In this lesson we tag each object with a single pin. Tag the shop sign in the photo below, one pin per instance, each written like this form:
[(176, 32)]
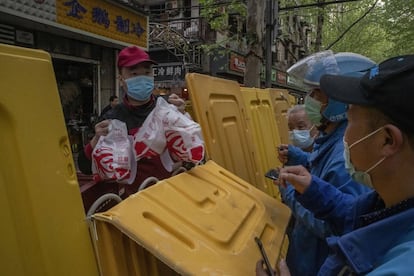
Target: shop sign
[(277, 77), (24, 37), (169, 72), (281, 77), (237, 63), (103, 18), (273, 75)]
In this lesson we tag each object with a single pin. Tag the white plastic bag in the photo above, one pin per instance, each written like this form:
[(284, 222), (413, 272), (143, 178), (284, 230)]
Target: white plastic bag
[(113, 157), (184, 139), (167, 128), (150, 140)]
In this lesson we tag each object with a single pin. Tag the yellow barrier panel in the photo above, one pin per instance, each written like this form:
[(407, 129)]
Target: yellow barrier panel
[(189, 108), (281, 103), (219, 109), (202, 222), (261, 120), (43, 230), (292, 99)]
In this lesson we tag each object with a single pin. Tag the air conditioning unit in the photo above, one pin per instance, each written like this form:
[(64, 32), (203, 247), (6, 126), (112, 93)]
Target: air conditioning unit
[(169, 5)]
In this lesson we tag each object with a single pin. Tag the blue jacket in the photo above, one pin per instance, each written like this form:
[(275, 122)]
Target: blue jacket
[(307, 246), (383, 247)]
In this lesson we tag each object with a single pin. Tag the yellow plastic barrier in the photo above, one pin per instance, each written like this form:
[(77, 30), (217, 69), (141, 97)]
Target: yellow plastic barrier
[(266, 137), (202, 222), (219, 109), (292, 99), (281, 101), (43, 230)]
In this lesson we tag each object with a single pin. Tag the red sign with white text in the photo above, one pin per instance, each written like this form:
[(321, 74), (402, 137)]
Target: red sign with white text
[(237, 63)]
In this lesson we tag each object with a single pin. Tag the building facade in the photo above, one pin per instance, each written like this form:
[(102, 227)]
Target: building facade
[(83, 38), (177, 32)]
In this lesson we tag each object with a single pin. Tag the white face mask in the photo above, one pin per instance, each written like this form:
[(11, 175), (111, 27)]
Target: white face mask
[(301, 138), (359, 176)]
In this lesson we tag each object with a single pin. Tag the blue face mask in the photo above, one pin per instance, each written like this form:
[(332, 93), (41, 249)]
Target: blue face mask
[(140, 87)]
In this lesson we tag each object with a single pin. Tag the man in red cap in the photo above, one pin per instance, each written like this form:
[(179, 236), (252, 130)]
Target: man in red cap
[(137, 82)]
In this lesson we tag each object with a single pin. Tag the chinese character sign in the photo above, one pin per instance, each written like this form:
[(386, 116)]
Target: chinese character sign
[(103, 18), (169, 72), (237, 63)]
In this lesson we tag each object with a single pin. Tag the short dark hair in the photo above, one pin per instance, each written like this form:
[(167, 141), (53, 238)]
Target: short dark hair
[(112, 98)]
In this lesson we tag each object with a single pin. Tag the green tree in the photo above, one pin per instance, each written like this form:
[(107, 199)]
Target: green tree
[(397, 20), (250, 15), (353, 27), (377, 29), (217, 14)]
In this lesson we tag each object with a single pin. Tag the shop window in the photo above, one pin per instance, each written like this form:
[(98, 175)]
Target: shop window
[(76, 89)]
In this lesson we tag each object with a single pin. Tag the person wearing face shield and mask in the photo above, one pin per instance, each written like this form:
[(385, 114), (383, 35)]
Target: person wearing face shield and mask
[(307, 246), (376, 228), (302, 132), (137, 82)]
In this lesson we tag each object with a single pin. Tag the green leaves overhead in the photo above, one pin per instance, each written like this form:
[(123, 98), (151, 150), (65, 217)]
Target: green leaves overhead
[(227, 18), (217, 13), (378, 29)]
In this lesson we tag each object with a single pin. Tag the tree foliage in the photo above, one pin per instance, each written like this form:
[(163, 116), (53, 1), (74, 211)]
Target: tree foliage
[(246, 37), (378, 29), (354, 27), (397, 20), (217, 14)]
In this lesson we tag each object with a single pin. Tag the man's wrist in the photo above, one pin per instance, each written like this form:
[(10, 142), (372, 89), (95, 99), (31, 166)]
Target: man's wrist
[(94, 141)]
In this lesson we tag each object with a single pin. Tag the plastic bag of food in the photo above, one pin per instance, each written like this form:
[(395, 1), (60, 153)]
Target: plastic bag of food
[(113, 157), (167, 128), (150, 140), (184, 139)]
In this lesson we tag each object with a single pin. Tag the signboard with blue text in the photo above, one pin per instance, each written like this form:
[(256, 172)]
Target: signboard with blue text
[(102, 18), (169, 72)]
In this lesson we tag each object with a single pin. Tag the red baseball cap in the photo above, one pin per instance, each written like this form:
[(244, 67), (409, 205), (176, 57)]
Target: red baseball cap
[(133, 55)]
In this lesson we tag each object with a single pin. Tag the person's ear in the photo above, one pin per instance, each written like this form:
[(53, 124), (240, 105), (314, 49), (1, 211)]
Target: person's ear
[(393, 140)]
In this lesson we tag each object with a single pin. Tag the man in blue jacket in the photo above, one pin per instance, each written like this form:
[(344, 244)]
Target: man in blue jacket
[(307, 245), (377, 228)]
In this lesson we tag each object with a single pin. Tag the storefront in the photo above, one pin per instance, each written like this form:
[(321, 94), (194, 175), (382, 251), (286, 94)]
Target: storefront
[(83, 38), (229, 66), (280, 79), (170, 78)]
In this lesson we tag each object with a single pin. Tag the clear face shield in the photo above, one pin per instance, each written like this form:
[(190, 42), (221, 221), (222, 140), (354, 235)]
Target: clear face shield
[(307, 72)]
